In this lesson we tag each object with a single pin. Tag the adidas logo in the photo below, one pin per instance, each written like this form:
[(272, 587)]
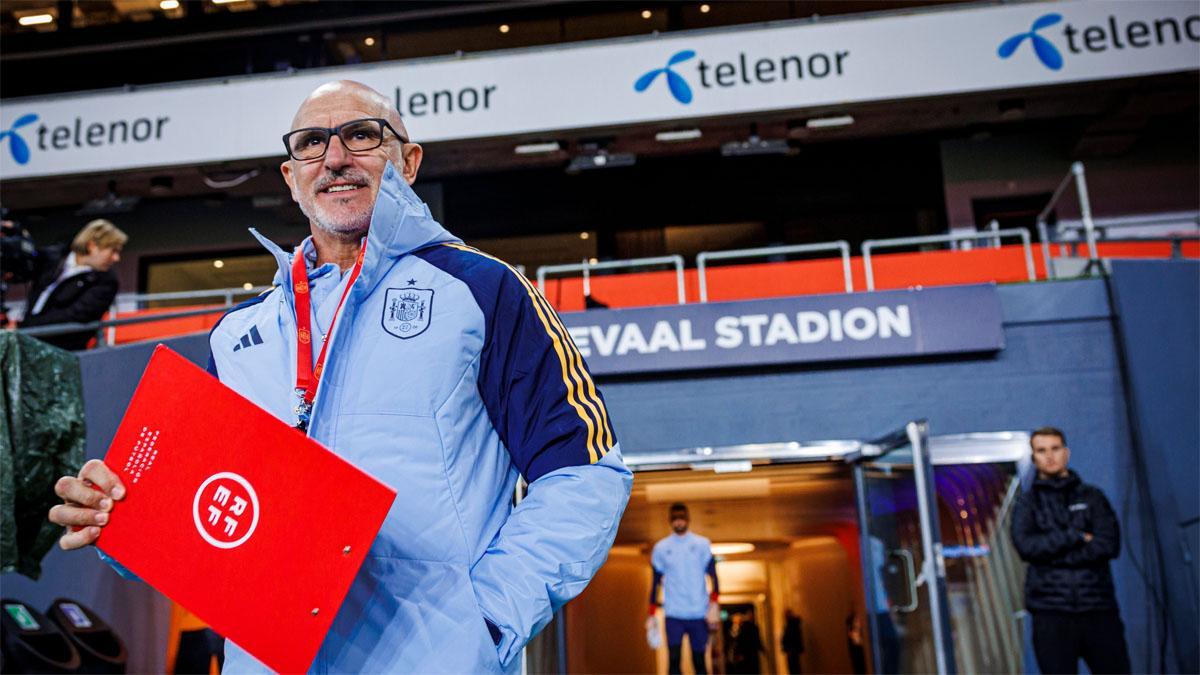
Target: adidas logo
[(249, 339)]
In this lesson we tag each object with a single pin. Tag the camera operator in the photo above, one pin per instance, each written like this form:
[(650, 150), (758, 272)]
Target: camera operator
[(76, 285)]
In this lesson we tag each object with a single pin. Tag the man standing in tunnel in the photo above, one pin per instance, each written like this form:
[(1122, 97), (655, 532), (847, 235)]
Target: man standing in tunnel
[(680, 562), (1067, 532)]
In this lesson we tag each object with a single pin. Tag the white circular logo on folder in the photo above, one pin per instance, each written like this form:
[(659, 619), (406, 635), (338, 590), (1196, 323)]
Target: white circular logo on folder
[(225, 510)]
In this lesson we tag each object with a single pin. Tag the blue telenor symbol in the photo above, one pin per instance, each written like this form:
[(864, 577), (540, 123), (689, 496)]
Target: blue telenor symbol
[(16, 144), (679, 86), (1045, 50)]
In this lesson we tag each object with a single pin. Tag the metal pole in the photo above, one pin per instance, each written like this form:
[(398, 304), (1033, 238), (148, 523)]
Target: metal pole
[(1044, 236), (870, 273), (679, 285), (845, 249), (933, 565), (994, 226), (1085, 210), (1028, 246), (702, 276)]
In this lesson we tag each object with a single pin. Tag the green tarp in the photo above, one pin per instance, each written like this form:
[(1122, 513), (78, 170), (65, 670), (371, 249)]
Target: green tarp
[(41, 438)]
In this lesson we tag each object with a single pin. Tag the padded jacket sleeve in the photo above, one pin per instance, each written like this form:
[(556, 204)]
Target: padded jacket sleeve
[(1106, 535), (1034, 544), (547, 411)]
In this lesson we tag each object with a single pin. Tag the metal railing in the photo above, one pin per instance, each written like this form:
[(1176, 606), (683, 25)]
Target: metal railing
[(124, 300), (589, 267), (99, 326), (872, 244), (1076, 175), (705, 256)]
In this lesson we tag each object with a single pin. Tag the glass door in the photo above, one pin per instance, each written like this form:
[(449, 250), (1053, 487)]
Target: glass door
[(904, 571)]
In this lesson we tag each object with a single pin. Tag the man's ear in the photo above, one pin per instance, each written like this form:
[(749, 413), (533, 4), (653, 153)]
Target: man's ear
[(412, 155), (286, 169)]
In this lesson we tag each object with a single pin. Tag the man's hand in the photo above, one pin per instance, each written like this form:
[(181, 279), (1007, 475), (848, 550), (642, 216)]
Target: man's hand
[(1087, 537), (87, 502)]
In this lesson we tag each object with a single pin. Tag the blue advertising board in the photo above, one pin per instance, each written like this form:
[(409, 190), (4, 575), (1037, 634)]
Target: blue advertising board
[(802, 329)]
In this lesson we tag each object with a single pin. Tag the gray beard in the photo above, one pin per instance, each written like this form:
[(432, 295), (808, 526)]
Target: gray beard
[(342, 230)]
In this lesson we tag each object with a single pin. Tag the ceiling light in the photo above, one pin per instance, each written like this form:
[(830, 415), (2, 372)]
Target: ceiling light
[(248, 286), (584, 235), (826, 122), (225, 2), (218, 264), (370, 42), (732, 548), (755, 146), (601, 160), (537, 148), (35, 19), (646, 14), (676, 136), (593, 261), (168, 5), (704, 9), (504, 28)]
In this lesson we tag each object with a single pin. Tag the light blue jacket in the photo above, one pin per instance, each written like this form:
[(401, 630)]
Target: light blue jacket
[(447, 376)]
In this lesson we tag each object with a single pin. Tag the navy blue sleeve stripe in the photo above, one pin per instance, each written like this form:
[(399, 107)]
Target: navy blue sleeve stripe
[(581, 390), (607, 438), (572, 363)]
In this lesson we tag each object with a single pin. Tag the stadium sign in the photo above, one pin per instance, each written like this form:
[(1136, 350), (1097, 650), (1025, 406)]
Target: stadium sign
[(796, 330), (697, 74)]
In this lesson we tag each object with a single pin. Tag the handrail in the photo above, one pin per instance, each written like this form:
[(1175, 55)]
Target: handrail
[(1176, 242), (60, 328), (871, 244), (1103, 225), (704, 256), (226, 293), (676, 260), (1085, 214)]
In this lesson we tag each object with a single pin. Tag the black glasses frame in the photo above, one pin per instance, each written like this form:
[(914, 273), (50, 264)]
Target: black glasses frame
[(331, 132)]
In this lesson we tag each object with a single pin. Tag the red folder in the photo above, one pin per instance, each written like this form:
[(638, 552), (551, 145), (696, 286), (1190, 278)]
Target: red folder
[(249, 524)]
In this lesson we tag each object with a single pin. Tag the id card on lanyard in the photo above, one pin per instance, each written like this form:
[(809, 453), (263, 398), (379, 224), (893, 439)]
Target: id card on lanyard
[(308, 375)]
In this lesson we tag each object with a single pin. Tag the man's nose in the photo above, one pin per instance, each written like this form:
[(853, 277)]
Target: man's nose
[(336, 155)]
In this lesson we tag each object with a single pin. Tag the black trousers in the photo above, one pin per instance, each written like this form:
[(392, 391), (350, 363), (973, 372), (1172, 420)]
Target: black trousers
[(1060, 639)]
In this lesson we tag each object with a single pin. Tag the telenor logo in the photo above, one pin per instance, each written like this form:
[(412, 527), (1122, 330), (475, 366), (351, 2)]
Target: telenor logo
[(225, 510), (1046, 52), (675, 82), (17, 145)]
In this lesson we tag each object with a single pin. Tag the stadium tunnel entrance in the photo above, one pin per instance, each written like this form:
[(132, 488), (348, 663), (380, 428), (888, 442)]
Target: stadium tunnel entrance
[(786, 522)]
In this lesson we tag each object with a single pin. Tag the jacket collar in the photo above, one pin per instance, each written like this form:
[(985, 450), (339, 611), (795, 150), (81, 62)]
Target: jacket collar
[(400, 224), (1061, 483)]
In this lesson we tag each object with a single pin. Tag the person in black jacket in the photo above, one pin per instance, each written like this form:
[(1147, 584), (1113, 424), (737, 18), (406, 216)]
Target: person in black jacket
[(76, 286), (1067, 532)]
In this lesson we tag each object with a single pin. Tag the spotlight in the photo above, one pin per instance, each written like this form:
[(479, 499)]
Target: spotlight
[(646, 14), (218, 264), (704, 9), (168, 5), (370, 42), (601, 159), (504, 28), (756, 146)]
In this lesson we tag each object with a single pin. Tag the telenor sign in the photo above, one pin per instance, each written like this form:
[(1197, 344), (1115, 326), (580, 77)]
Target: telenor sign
[(790, 330)]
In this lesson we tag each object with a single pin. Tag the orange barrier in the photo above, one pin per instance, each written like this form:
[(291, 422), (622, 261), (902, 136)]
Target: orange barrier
[(151, 330)]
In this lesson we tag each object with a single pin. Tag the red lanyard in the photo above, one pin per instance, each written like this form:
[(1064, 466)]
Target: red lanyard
[(308, 376)]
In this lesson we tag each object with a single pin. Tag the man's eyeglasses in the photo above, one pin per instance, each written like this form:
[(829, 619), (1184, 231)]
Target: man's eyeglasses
[(357, 135)]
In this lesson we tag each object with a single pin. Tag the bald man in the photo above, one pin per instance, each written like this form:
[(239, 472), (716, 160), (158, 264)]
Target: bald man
[(447, 376)]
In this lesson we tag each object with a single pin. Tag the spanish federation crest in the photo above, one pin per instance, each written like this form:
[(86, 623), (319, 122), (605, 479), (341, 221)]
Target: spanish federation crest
[(406, 311)]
